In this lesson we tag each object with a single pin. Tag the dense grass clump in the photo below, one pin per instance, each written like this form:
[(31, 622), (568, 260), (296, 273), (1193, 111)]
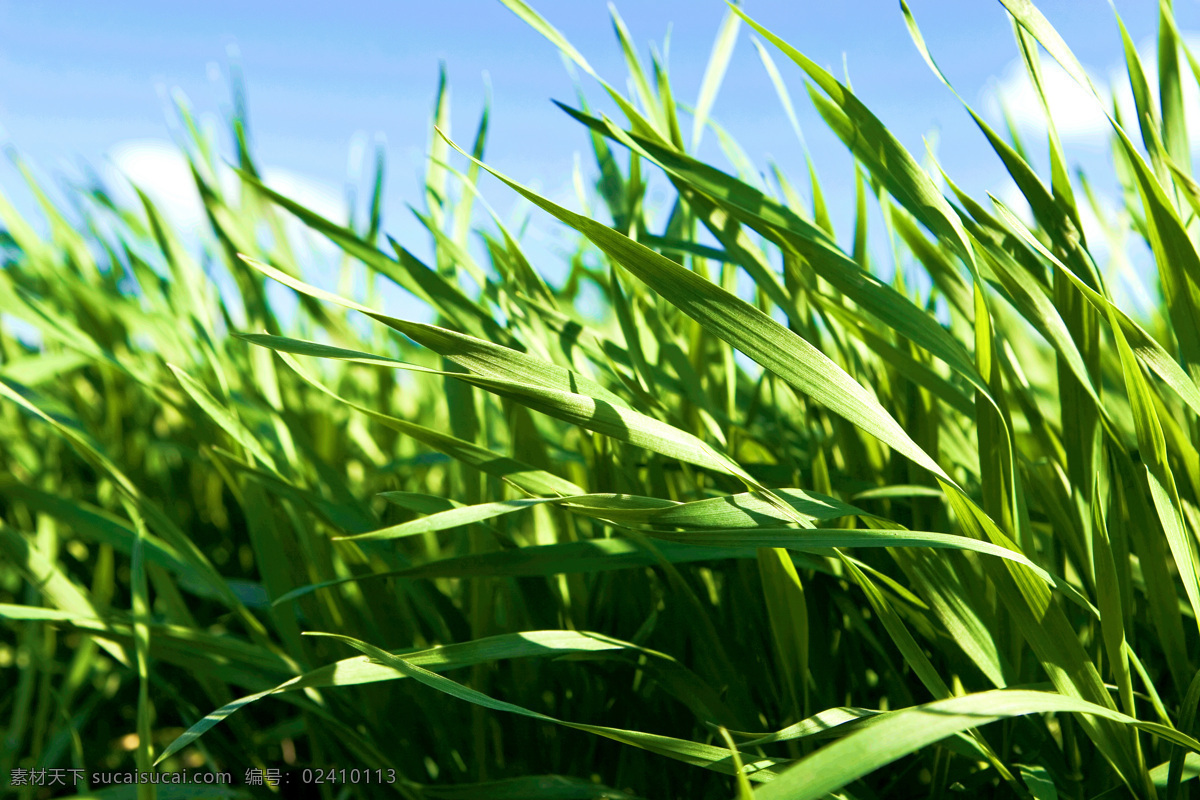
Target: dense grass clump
[(928, 538)]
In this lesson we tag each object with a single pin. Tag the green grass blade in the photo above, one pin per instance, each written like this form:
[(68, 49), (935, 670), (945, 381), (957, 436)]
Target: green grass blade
[(856, 755)]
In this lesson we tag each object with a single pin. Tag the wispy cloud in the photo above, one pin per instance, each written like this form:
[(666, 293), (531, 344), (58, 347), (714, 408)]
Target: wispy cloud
[(157, 167), (1077, 113)]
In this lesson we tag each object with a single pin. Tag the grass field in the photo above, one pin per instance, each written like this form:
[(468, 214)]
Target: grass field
[(930, 535)]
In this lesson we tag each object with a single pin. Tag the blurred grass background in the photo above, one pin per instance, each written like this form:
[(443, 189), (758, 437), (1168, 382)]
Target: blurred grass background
[(771, 513)]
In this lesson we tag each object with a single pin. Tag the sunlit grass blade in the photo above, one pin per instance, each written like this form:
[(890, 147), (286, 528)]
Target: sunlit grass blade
[(715, 758), (848, 759), (747, 328)]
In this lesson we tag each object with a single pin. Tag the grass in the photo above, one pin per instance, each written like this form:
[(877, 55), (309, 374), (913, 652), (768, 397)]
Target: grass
[(912, 542)]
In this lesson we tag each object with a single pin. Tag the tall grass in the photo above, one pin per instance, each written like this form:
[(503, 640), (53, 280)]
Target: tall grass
[(522, 553)]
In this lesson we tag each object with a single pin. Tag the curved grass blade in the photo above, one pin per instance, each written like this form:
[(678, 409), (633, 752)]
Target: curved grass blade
[(745, 327), (617, 421), (583, 557), (409, 272), (524, 477), (865, 751), (760, 769), (223, 417)]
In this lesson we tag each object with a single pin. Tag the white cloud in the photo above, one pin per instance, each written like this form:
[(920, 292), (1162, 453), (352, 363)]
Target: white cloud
[(317, 197), (1077, 113), (159, 169), (309, 192)]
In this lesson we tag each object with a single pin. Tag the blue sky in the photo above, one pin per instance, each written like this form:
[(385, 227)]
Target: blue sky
[(87, 81)]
